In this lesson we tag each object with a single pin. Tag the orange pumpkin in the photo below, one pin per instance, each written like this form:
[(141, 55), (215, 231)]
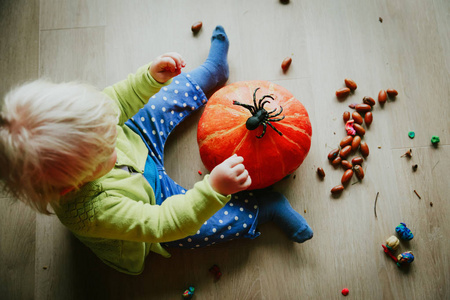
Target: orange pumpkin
[(260, 121)]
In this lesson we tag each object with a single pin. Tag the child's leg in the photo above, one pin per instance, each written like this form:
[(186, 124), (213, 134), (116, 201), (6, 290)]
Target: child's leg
[(172, 104), (214, 71), (275, 207), (237, 219), (156, 120)]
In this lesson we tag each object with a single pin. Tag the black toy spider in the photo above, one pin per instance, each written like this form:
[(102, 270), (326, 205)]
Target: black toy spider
[(260, 116)]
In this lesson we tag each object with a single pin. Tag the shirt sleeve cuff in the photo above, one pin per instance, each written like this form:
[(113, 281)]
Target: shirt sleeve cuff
[(145, 71)]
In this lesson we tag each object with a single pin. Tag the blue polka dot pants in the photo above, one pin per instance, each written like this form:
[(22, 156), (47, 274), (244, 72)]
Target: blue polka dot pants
[(153, 123)]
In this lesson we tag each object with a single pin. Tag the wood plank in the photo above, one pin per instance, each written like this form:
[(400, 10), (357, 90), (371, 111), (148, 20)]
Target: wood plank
[(328, 41), (19, 53), (60, 14), (73, 54)]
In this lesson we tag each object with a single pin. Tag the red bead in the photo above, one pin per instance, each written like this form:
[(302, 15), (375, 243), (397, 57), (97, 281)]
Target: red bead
[(345, 292), (215, 271), (199, 172)]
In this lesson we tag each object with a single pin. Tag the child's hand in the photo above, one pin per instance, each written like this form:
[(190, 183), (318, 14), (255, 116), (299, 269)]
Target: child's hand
[(166, 66), (230, 176)]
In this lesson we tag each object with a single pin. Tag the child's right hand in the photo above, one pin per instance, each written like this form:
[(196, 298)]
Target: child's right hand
[(166, 66), (230, 176)]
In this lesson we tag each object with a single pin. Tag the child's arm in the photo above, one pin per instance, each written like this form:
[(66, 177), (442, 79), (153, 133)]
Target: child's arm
[(177, 217), (133, 93)]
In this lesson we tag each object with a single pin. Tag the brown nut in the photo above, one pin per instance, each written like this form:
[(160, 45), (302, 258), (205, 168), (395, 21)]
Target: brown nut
[(356, 142), (286, 63), (350, 84), (357, 117), (320, 172), (364, 149), (382, 97), (358, 160), (333, 154), (347, 176), (368, 118), (408, 153), (196, 27), (345, 151), (346, 141), (346, 116), (363, 108), (392, 93), (337, 161), (359, 129), (342, 93), (346, 164), (337, 189), (369, 101), (359, 172)]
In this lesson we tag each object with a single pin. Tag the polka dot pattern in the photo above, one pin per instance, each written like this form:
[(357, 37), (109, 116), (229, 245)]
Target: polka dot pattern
[(234, 220), (153, 124)]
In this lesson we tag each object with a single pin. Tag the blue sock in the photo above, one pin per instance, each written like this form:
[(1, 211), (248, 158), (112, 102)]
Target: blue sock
[(275, 207), (214, 71)]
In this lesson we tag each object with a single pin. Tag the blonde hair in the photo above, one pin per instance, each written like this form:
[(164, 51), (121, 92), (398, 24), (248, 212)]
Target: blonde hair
[(52, 136)]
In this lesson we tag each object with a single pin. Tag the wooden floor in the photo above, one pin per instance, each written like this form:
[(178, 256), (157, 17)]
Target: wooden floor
[(101, 41)]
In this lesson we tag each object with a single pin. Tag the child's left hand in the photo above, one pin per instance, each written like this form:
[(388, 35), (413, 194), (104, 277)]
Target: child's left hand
[(166, 66)]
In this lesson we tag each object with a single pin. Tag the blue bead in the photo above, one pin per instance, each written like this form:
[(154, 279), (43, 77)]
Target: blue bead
[(404, 232)]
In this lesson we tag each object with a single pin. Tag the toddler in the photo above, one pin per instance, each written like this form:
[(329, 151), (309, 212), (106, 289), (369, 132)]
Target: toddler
[(97, 159)]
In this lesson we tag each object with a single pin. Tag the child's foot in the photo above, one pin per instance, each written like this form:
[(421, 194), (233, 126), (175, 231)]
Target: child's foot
[(217, 58), (275, 207), (303, 234), (214, 71)]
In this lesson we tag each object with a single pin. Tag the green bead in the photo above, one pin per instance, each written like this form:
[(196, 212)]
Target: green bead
[(411, 134), (435, 139)]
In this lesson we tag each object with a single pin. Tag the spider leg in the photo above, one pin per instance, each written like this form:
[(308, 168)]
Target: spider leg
[(264, 130), (275, 120), (279, 113), (275, 129), (254, 99), (261, 103), (247, 106), (272, 111), (267, 96)]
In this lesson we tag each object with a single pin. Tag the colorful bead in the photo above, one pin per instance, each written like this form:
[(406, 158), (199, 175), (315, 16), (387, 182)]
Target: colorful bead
[(435, 139), (349, 127), (411, 134), (404, 232), (345, 292), (215, 270), (392, 243), (405, 258), (189, 293)]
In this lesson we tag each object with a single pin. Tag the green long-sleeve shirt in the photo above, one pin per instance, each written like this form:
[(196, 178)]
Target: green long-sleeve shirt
[(116, 215)]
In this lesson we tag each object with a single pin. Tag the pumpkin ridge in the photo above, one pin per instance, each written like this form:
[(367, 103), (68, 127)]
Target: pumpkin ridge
[(226, 107), (236, 149), (294, 143), (218, 133), (271, 88), (289, 100), (282, 164), (295, 128), (235, 108)]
